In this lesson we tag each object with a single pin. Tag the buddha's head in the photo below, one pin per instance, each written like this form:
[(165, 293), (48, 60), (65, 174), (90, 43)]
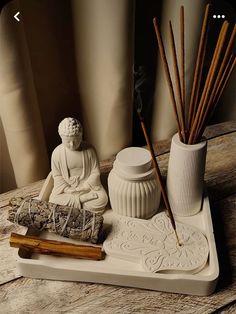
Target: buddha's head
[(71, 132)]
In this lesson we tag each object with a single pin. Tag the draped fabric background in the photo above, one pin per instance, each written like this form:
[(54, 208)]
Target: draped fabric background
[(76, 58)]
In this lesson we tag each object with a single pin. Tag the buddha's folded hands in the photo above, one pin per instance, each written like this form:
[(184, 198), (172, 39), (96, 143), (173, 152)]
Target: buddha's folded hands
[(69, 190), (84, 187), (88, 197)]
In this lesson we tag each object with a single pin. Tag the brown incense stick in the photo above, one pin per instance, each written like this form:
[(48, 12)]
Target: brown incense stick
[(57, 248), (167, 73), (225, 60), (213, 72), (199, 66), (182, 58), (177, 79), (202, 104), (197, 95), (224, 80), (225, 64), (158, 173), (208, 82)]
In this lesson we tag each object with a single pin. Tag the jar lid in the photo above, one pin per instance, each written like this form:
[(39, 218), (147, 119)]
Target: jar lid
[(134, 163)]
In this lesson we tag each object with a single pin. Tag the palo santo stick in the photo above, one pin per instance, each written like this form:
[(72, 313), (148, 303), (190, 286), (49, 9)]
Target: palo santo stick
[(177, 79), (208, 82), (159, 177), (167, 73), (216, 59), (182, 58), (58, 248), (199, 66)]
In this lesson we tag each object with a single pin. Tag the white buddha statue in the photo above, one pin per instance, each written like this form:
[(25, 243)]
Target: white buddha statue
[(76, 171)]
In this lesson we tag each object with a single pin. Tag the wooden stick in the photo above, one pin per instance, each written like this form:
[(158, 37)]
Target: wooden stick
[(159, 177), (224, 64), (177, 79), (206, 96), (196, 99), (224, 80), (167, 73), (58, 248), (182, 57), (199, 66), (208, 82), (197, 103), (220, 77)]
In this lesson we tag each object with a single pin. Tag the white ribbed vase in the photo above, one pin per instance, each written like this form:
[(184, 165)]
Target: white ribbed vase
[(185, 177), (132, 184)]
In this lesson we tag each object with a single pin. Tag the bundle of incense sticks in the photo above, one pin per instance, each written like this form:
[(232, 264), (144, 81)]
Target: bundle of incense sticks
[(192, 118)]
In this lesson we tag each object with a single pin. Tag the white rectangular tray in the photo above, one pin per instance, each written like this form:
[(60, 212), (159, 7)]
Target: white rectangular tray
[(120, 272)]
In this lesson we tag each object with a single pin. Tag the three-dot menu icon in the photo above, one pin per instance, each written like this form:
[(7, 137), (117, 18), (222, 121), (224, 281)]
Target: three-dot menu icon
[(218, 16)]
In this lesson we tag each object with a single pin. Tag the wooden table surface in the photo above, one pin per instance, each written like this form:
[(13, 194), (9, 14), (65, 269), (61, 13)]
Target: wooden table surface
[(25, 295)]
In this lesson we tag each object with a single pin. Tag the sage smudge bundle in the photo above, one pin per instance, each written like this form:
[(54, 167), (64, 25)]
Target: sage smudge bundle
[(74, 223)]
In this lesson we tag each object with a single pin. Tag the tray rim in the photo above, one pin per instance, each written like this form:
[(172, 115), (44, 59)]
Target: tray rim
[(207, 279)]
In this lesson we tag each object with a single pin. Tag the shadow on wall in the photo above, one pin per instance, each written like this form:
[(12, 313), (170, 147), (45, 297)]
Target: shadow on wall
[(7, 178)]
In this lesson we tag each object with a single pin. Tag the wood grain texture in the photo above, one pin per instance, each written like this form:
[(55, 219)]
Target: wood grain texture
[(8, 257), (163, 146), (220, 172), (230, 309), (220, 129), (22, 295), (29, 190)]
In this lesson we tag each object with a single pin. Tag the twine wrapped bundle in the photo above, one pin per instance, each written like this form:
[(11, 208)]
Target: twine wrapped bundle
[(66, 221)]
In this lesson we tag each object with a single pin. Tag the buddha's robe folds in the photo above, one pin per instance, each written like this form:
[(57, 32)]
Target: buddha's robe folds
[(65, 178)]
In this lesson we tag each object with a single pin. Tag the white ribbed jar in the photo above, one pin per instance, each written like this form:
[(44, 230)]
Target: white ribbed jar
[(132, 184)]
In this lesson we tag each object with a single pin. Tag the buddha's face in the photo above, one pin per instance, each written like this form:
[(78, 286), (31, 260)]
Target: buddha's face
[(72, 142)]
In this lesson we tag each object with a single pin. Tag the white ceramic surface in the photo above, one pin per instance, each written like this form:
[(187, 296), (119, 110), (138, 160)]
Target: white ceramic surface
[(153, 244), (185, 177), (120, 272), (132, 185)]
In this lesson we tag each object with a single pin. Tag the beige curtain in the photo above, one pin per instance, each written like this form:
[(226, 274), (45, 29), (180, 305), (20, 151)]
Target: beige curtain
[(75, 58), (20, 116)]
